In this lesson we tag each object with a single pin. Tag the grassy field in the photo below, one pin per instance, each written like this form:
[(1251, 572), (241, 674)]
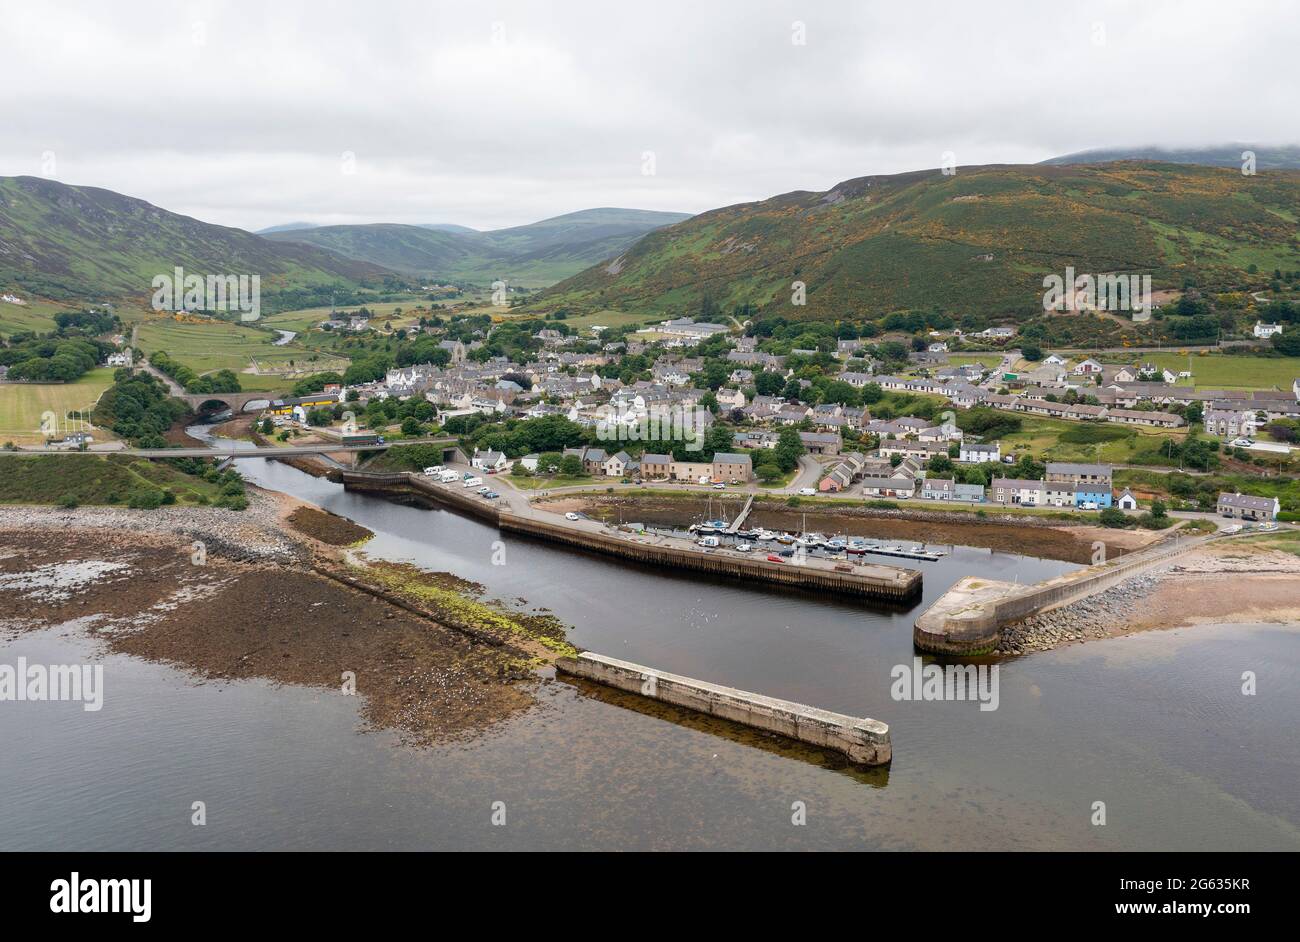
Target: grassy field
[(1288, 541), (1217, 371), (35, 315), (1042, 437), (22, 405), (219, 345), (107, 479), (307, 318), (988, 360)]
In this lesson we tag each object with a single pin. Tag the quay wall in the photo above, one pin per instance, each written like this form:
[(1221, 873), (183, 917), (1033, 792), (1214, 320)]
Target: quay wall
[(863, 741), (888, 583)]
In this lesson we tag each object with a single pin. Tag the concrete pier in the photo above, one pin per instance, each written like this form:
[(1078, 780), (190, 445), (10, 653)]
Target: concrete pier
[(862, 580), (968, 618), (742, 516), (863, 741)]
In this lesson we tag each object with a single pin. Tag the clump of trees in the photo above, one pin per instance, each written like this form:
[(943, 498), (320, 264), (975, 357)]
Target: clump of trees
[(138, 408)]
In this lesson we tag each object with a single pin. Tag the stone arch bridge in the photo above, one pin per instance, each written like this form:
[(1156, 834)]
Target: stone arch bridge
[(240, 402)]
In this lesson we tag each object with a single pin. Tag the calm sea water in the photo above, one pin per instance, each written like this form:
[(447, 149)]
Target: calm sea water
[(1154, 725)]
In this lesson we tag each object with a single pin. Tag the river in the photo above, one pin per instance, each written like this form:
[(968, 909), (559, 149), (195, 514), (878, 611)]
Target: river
[(1153, 725)]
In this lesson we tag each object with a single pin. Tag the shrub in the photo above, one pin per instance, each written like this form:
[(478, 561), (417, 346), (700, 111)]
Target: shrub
[(1114, 517), (145, 499)]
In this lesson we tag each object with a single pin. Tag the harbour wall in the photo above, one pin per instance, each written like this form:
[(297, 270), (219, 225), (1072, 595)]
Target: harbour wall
[(863, 741), (968, 619), (887, 583)]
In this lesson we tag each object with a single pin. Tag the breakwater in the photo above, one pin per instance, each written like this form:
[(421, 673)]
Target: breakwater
[(864, 741), (968, 618)]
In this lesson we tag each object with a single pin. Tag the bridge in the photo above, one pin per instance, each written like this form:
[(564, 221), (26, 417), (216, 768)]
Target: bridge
[(240, 402), (243, 450)]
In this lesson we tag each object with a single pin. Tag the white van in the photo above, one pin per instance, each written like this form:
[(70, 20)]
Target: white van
[(709, 541), (472, 482)]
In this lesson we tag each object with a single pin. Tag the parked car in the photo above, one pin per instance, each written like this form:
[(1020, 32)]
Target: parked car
[(775, 559), (491, 495), (719, 487), (571, 516), (743, 547), (484, 489)]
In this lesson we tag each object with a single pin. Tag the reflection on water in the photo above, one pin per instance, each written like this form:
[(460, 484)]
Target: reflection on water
[(1154, 725)]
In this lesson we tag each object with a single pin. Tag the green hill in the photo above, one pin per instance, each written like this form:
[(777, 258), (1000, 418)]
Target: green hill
[(981, 240), (85, 243), (534, 255), (1267, 156)]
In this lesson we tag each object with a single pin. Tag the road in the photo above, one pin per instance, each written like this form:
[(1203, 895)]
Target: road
[(520, 501), (236, 451)]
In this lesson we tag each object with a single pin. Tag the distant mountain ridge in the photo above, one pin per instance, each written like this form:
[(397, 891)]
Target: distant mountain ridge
[(981, 240), (532, 255), (66, 242), (1267, 156)]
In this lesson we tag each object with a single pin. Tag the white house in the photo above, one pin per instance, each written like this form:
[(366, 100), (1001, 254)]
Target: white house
[(979, 453), (1264, 331), (615, 465), (489, 461), (1127, 501)]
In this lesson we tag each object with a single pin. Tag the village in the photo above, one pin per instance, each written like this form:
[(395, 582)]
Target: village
[(674, 427)]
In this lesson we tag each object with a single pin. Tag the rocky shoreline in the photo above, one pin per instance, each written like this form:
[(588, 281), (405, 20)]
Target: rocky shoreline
[(274, 596), (251, 535), (1099, 616)]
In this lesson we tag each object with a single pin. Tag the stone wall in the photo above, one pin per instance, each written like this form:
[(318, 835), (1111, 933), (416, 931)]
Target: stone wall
[(864, 741)]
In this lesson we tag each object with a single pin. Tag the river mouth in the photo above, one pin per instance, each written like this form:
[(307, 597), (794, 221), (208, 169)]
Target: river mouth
[(1122, 720)]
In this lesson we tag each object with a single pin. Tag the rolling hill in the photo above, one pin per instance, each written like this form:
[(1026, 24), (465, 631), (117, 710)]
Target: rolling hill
[(85, 243), (1267, 156), (534, 255), (981, 240)]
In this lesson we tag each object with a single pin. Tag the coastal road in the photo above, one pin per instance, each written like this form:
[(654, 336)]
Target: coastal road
[(237, 451)]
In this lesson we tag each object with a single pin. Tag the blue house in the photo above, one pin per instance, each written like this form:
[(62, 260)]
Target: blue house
[(1092, 495)]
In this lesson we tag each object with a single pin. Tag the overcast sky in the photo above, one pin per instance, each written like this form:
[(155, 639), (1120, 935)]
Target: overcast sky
[(495, 114)]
